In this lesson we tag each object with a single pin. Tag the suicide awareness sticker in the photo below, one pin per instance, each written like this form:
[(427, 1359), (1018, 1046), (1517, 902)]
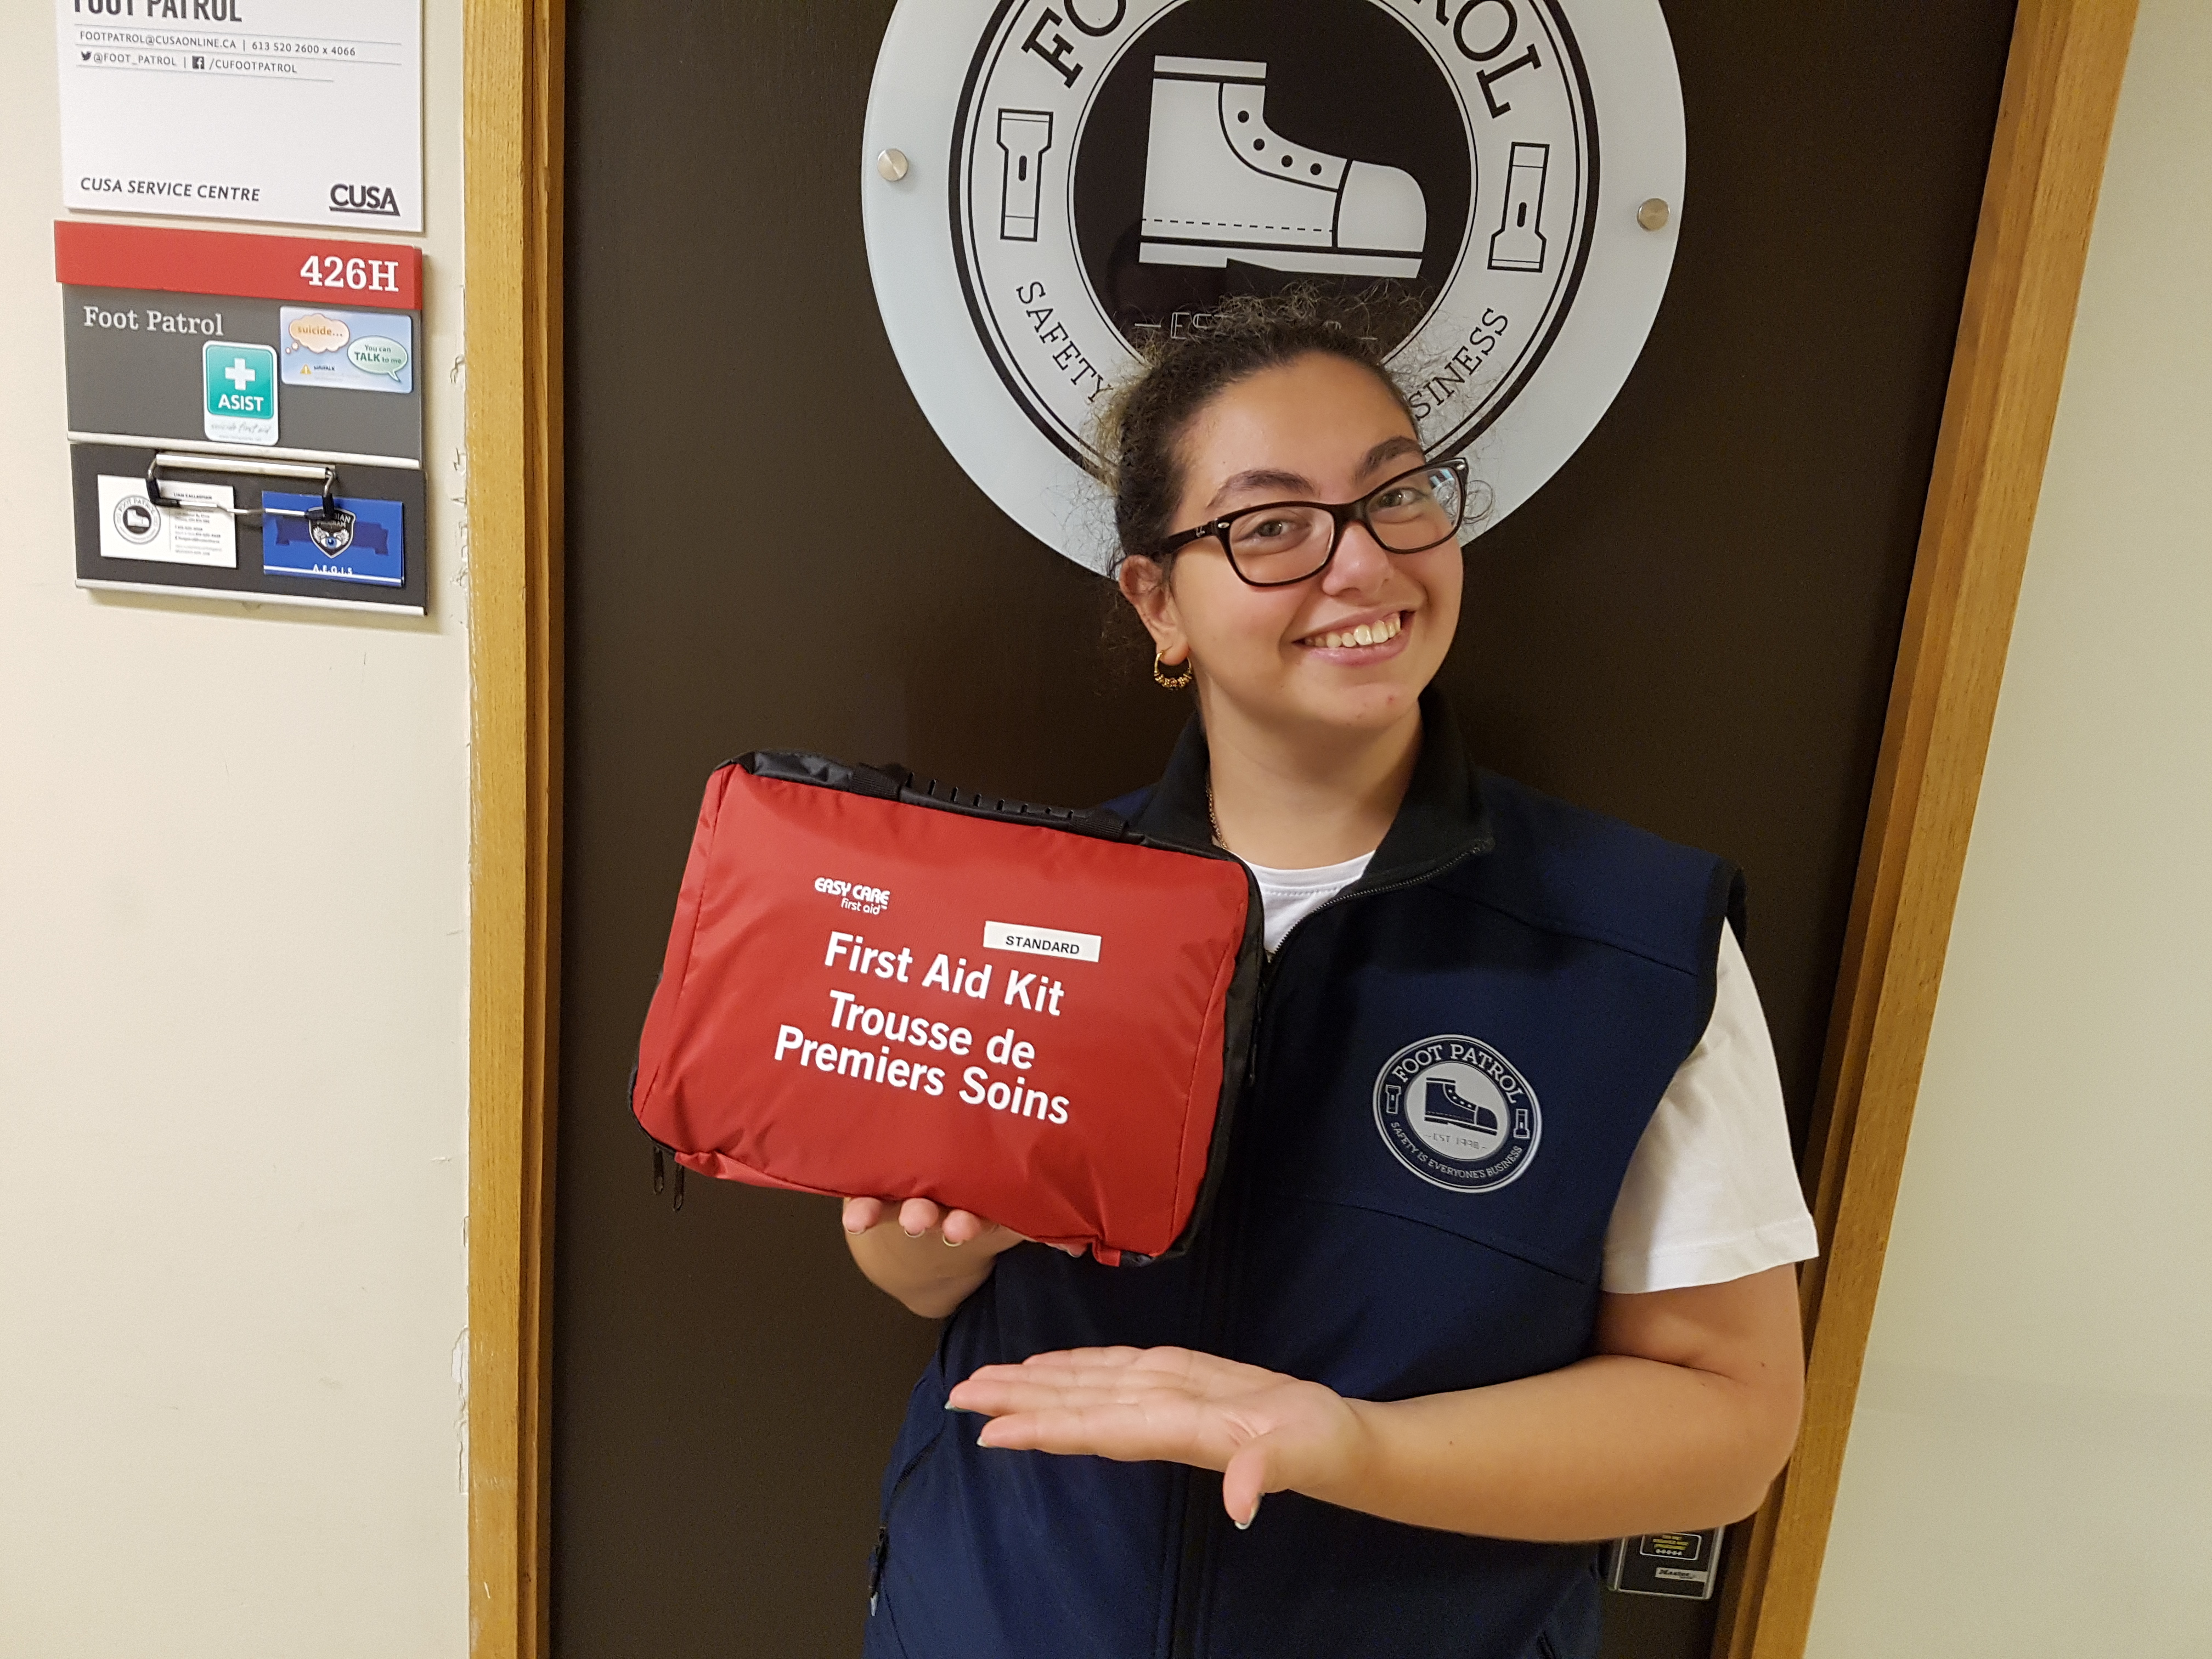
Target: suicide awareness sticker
[(362, 350), (1082, 175)]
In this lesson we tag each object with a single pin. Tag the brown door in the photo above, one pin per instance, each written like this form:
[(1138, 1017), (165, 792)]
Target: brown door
[(1692, 627)]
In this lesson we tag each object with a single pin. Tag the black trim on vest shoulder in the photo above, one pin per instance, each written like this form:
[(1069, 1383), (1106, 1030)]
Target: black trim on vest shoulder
[(1442, 820), (1174, 809)]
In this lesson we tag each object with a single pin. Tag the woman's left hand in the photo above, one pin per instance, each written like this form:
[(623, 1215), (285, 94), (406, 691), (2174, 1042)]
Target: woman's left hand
[(1263, 1430)]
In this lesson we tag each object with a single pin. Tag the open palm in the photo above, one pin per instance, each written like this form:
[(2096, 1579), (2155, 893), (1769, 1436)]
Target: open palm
[(1263, 1430)]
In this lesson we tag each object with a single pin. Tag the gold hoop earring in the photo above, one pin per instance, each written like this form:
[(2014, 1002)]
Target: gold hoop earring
[(1179, 681)]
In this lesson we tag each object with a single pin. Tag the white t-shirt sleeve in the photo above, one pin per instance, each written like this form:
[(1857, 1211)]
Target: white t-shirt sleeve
[(1711, 1193)]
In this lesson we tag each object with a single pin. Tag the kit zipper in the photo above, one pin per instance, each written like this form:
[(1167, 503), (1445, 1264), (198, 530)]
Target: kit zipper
[(1202, 1514), (663, 1155), (661, 1152)]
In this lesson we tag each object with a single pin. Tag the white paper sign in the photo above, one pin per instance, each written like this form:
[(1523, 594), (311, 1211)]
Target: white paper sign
[(299, 111), (132, 527)]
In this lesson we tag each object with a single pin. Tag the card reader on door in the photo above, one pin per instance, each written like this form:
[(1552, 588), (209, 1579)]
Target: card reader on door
[(1685, 1563)]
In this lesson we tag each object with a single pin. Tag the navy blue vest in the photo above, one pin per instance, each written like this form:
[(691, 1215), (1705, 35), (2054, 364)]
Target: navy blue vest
[(1454, 1062)]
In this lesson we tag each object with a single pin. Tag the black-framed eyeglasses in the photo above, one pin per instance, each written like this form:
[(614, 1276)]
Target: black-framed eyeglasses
[(1279, 543)]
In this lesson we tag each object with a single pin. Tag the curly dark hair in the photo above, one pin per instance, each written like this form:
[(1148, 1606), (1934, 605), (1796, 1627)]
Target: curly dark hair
[(1142, 429)]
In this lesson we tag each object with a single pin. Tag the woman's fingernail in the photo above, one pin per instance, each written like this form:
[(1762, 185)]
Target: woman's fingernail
[(1245, 1525), (952, 1244), (910, 1233)]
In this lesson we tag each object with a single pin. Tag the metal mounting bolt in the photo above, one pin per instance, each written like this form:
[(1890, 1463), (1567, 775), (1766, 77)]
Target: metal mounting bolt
[(890, 165), (1653, 214)]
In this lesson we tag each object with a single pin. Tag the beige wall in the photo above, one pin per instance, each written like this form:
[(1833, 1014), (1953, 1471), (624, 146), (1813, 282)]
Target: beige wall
[(2030, 1471), (232, 1108)]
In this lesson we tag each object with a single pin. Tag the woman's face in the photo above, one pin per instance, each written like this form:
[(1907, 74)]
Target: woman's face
[(1321, 429)]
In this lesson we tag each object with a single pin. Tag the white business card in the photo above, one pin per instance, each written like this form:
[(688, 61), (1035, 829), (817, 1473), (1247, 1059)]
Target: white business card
[(200, 531)]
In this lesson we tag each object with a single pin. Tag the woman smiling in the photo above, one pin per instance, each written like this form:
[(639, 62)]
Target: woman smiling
[(1501, 1262)]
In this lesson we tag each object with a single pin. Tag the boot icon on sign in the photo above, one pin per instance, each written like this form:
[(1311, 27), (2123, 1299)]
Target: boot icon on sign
[(1519, 244), (1219, 185), (1025, 135)]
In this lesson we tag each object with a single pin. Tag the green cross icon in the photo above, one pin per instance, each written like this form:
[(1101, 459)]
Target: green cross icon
[(240, 382)]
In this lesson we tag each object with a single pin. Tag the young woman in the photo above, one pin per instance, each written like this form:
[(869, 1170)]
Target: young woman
[(1502, 1258)]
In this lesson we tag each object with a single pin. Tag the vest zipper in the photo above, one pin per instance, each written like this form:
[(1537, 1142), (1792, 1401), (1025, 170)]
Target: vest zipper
[(1202, 1500), (1202, 1515), (1201, 1510), (880, 1556)]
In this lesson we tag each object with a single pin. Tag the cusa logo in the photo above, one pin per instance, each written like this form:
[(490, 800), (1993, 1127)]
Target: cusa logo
[(364, 198)]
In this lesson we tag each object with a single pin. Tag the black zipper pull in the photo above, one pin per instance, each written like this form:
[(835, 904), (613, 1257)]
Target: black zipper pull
[(877, 1557), (680, 1186), (660, 1170)]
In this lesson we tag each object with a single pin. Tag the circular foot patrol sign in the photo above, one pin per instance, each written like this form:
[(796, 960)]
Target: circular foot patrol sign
[(1084, 175), (1457, 1114)]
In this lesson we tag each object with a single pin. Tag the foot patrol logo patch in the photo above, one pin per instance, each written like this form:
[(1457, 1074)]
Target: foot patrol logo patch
[(1457, 1114), (1051, 184)]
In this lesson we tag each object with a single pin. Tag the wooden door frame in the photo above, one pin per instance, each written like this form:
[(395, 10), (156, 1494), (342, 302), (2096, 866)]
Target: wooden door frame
[(2054, 124), (2062, 84), (511, 121)]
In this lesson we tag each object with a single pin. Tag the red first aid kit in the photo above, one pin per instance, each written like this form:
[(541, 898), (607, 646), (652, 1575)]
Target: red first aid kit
[(879, 987)]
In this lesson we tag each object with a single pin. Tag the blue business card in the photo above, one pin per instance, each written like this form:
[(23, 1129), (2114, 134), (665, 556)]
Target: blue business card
[(364, 543)]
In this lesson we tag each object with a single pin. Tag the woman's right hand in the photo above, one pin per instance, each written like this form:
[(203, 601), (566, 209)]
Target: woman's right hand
[(929, 1257), (923, 1221)]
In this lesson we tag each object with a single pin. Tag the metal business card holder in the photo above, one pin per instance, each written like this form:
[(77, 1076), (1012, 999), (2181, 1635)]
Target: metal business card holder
[(324, 477)]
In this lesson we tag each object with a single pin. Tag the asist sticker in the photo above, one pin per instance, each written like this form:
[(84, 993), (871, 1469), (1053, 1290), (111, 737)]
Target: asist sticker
[(241, 385)]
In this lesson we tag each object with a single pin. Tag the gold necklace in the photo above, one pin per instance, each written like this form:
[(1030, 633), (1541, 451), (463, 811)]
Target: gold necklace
[(1213, 823)]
